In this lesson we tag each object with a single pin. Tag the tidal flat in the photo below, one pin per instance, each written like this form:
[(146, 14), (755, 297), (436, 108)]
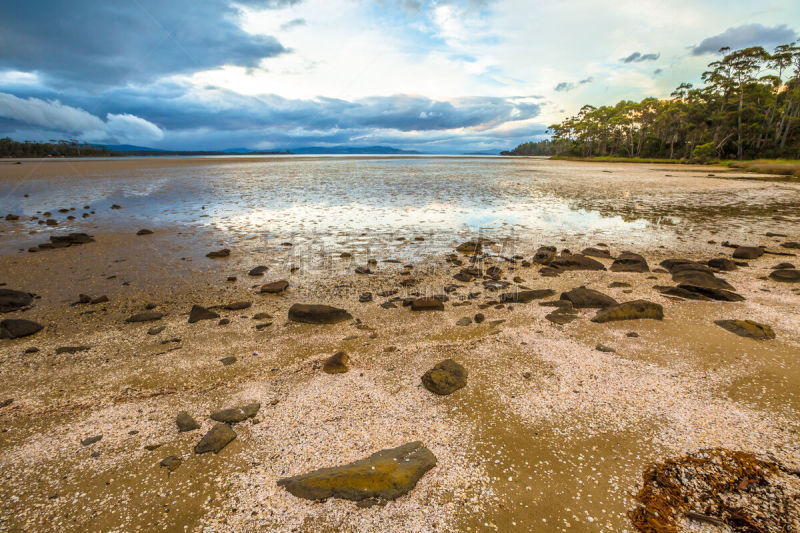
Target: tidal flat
[(476, 259)]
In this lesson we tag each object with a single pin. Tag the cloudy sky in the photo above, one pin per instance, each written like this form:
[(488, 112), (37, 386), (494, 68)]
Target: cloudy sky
[(443, 76)]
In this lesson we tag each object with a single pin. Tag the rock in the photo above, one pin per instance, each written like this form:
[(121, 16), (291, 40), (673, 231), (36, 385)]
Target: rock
[(171, 463), (630, 262), (363, 270), (791, 245), (32, 349), (697, 278), (596, 252), (155, 330), (11, 217), (479, 318), (604, 348), (632, 334), (65, 241), (747, 328), (544, 255), (216, 439), (258, 271), (560, 318), (185, 422), (701, 293), (384, 475), (116, 206), (583, 298), (228, 360), (219, 253), (618, 284), (11, 300), (427, 304), (465, 321), (445, 378), (199, 313), (336, 364), (147, 316), (722, 263), (634, 310), (783, 266), (6, 402), (317, 314), (470, 247), (91, 440), (144, 232), (576, 262), (236, 414), (14, 328), (785, 275), (388, 305), (275, 286), (99, 300), (677, 265), (72, 349), (365, 297), (262, 316), (748, 252), (526, 296), (238, 306)]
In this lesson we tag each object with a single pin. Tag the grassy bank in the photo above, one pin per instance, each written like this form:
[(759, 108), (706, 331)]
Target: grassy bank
[(614, 159)]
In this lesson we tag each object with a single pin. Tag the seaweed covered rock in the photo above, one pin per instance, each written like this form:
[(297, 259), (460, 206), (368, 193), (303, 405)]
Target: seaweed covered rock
[(384, 475)]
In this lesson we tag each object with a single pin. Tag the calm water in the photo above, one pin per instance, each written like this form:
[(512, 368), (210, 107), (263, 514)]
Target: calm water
[(339, 201)]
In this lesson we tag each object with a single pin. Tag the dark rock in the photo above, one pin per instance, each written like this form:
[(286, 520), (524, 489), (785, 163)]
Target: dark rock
[(155, 330), (748, 252), (236, 414), (697, 278), (317, 314), (275, 286), (596, 252), (576, 262), (427, 304), (634, 310), (6, 402), (785, 275), (219, 253), (238, 306), (618, 284), (470, 247), (32, 349), (115, 206), (199, 313), (147, 316), (722, 263), (171, 463), (701, 293), (185, 422), (445, 378), (336, 364), (262, 316), (677, 265), (479, 317), (11, 300), (228, 360), (604, 348), (216, 439), (385, 475), (99, 300), (747, 328), (630, 262), (144, 232), (363, 270), (91, 440), (560, 318), (632, 334), (583, 298), (388, 305), (258, 271), (783, 266), (72, 349), (791, 245), (365, 297), (526, 296), (465, 321), (544, 255), (14, 328)]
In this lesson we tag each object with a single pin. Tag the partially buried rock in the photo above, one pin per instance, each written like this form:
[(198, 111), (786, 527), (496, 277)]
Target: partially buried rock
[(630, 262), (583, 298), (748, 252), (147, 316), (576, 262), (465, 321), (228, 360), (785, 275), (237, 306), (722, 263), (445, 378), (91, 440), (596, 252), (791, 245), (317, 314), (155, 330), (384, 475), (185, 422), (427, 304), (603, 348), (236, 414), (219, 253), (275, 286), (14, 328), (637, 309), (560, 318), (11, 300), (258, 271), (336, 364), (526, 296), (72, 349), (365, 297), (216, 439), (171, 463), (201, 313), (747, 328), (144, 232)]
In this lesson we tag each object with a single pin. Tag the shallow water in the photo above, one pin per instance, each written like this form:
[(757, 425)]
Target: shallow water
[(374, 203)]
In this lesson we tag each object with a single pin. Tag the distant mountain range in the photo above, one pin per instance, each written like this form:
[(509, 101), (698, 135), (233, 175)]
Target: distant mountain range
[(305, 150)]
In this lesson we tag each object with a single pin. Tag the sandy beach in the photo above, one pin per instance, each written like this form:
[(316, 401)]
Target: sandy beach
[(555, 427)]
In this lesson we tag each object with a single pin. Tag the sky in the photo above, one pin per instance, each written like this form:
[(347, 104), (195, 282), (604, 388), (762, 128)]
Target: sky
[(440, 76)]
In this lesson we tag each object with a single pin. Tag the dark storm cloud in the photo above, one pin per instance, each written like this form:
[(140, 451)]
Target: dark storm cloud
[(638, 57), (746, 35), (119, 41)]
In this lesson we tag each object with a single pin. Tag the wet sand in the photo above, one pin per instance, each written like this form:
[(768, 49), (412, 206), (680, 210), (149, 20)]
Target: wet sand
[(548, 435)]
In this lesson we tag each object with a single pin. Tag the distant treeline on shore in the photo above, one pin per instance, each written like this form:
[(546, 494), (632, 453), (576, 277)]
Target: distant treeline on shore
[(747, 108), (12, 148)]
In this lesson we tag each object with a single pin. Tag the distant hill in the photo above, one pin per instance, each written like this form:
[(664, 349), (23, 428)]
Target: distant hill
[(353, 150)]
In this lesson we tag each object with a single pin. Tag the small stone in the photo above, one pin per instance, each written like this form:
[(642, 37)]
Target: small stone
[(144, 232), (632, 334), (199, 313), (228, 360), (219, 253), (14, 328), (479, 317), (171, 463), (91, 440), (236, 414), (155, 330), (317, 314), (224, 322), (275, 286), (258, 271), (427, 304), (147, 316), (748, 252), (336, 364), (604, 348), (445, 378), (465, 321), (185, 422)]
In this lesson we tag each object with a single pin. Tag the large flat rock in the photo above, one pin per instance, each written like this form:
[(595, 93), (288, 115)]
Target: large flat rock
[(634, 310), (317, 314), (384, 475)]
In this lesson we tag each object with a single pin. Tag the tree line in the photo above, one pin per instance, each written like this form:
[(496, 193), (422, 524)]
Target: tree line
[(748, 107), (63, 148)]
